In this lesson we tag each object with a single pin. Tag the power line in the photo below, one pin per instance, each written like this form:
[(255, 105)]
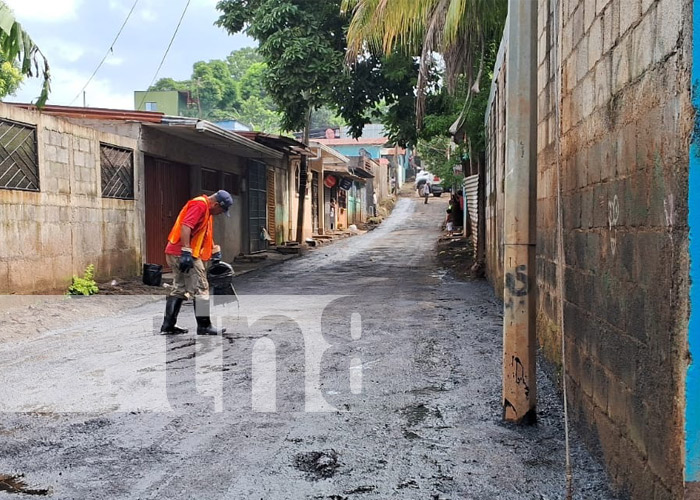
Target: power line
[(164, 55), (109, 50)]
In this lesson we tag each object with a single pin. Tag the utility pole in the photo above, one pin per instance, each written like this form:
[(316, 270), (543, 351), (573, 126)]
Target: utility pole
[(519, 334), (303, 175)]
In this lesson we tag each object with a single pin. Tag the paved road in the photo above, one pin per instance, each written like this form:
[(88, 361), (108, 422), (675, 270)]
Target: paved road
[(359, 371)]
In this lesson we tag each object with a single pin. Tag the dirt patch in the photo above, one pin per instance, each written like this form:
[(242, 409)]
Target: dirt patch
[(132, 286), (457, 255)]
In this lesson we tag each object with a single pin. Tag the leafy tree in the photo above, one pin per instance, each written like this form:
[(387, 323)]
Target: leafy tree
[(302, 43), (256, 113), (10, 78), (170, 84), (17, 45), (325, 117), (240, 60), (251, 82), (213, 87), (458, 29)]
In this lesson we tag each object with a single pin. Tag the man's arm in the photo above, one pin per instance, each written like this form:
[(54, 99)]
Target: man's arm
[(185, 235)]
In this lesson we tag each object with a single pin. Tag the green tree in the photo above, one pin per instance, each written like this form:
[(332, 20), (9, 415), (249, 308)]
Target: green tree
[(302, 43), (213, 87), (10, 78), (256, 113), (17, 45), (460, 30), (170, 84), (240, 60)]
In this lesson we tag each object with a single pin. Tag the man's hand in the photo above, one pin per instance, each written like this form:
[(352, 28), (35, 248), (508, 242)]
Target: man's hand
[(186, 262)]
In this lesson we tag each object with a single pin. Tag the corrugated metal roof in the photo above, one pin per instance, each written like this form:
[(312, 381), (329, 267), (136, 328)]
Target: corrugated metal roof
[(95, 113)]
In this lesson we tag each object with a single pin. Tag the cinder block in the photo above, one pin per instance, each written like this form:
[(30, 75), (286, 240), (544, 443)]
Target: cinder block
[(630, 12), (670, 27), (603, 82), (589, 14), (595, 42), (620, 64), (581, 55), (578, 27), (643, 40)]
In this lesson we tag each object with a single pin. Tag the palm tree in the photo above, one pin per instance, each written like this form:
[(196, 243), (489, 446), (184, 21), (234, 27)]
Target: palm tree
[(16, 44), (457, 29)]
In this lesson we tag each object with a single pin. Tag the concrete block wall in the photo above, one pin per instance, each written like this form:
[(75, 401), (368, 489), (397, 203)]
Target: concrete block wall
[(50, 235), (624, 128), (494, 173)]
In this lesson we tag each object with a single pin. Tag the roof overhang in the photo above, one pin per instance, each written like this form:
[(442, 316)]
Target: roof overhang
[(207, 134)]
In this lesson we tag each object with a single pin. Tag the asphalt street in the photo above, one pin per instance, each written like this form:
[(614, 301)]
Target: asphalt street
[(361, 370)]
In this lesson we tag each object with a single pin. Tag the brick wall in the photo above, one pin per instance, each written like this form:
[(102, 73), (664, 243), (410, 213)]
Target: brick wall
[(49, 235), (626, 121)]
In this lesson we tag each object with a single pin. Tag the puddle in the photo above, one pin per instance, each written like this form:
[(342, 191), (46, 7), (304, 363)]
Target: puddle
[(318, 464), (15, 484)]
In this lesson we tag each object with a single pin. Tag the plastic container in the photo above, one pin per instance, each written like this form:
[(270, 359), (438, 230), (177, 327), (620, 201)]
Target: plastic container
[(152, 274)]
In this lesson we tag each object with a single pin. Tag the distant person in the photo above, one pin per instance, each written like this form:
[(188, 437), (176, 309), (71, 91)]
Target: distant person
[(374, 202), (426, 193), (332, 213), (190, 246), (457, 212), (449, 217)]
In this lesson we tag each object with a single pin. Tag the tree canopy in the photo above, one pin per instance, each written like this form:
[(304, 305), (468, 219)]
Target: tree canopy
[(17, 46)]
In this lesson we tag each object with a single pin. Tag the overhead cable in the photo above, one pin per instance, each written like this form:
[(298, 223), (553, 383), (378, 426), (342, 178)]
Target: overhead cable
[(109, 51), (164, 55)]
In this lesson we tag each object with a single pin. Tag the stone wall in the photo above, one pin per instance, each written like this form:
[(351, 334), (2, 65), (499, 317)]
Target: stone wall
[(624, 125), (50, 235)]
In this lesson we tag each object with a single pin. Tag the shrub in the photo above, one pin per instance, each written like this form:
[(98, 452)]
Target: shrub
[(85, 285)]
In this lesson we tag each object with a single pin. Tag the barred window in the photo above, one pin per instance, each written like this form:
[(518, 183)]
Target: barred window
[(117, 166), (19, 165), (232, 183), (210, 180)]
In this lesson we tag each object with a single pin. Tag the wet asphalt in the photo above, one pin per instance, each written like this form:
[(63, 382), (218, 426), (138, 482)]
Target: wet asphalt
[(359, 371)]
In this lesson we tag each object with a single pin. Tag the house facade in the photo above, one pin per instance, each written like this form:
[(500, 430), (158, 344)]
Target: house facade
[(82, 186)]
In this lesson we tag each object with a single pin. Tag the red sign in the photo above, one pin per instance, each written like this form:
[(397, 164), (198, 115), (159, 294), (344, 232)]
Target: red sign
[(330, 181)]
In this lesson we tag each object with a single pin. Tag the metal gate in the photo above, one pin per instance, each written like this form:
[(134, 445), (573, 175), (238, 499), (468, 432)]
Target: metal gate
[(167, 189), (257, 204)]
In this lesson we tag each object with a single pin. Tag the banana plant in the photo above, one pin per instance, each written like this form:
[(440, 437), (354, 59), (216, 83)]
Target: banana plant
[(17, 45)]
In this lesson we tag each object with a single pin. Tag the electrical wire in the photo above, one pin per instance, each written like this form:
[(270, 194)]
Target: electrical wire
[(164, 55), (109, 51), (560, 246)]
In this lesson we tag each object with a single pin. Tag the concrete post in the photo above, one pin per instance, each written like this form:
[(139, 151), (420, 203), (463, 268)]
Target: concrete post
[(519, 338)]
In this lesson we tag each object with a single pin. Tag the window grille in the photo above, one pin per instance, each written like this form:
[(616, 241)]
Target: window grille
[(210, 180), (117, 166), (19, 166)]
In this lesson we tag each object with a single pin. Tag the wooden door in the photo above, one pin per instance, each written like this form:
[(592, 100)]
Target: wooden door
[(167, 190)]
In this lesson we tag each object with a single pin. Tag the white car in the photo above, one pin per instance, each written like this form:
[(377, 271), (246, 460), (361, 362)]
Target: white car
[(433, 180)]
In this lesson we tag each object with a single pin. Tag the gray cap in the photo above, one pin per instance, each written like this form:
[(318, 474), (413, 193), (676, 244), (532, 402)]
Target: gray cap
[(224, 199)]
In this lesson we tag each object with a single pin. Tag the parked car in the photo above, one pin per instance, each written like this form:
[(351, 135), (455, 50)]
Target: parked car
[(436, 190)]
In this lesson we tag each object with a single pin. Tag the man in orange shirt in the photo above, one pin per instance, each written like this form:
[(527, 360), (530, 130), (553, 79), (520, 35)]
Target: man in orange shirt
[(190, 246)]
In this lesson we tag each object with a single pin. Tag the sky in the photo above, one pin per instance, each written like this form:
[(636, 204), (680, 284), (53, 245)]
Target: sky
[(75, 35)]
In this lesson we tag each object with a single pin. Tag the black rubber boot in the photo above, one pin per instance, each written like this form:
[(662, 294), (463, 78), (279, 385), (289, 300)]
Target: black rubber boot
[(172, 309), (204, 326)]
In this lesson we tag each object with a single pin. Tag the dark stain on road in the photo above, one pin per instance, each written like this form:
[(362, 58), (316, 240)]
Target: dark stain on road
[(318, 464)]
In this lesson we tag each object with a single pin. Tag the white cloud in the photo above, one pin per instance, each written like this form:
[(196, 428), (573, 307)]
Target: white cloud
[(66, 84), (114, 60), (57, 49), (52, 11), (149, 15)]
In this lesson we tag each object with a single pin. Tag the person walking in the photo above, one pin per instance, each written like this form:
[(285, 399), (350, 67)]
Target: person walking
[(190, 246), (426, 193), (332, 214)]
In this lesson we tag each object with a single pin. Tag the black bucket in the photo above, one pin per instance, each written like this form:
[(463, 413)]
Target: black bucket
[(152, 274)]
